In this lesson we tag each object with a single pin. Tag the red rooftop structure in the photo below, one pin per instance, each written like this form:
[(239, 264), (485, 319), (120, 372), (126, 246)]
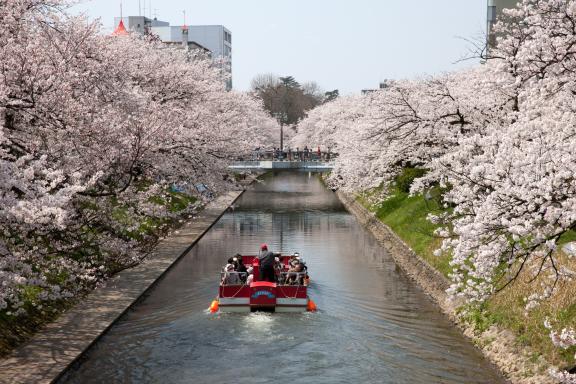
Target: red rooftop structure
[(120, 29)]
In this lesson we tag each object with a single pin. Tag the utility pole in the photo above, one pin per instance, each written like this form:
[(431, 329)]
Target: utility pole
[(282, 135), (280, 117), (283, 117)]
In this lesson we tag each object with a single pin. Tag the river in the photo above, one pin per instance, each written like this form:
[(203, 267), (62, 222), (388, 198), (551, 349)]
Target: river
[(373, 325)]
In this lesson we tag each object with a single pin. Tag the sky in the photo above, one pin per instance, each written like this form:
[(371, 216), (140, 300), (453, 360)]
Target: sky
[(347, 45)]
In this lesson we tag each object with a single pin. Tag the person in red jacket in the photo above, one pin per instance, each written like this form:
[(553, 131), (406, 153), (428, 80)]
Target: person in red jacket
[(266, 259)]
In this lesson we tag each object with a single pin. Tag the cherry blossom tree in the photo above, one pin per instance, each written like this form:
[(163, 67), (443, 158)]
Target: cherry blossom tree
[(512, 186), (409, 123), (94, 130), (564, 340)]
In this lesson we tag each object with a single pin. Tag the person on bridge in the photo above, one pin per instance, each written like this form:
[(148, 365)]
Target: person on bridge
[(266, 259)]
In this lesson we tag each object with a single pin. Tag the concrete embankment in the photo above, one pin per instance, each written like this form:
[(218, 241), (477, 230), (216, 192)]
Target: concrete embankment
[(498, 345), (48, 354)]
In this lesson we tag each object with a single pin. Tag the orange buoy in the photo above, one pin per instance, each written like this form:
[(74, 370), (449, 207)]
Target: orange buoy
[(214, 306), (311, 307)]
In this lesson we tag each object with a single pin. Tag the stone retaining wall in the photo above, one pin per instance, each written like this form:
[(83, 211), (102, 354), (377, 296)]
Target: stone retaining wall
[(431, 281), (497, 344)]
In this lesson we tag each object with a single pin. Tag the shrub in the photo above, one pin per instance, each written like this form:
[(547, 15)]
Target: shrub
[(405, 179)]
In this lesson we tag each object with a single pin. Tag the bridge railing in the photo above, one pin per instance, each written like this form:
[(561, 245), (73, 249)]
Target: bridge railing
[(279, 165), (294, 156)]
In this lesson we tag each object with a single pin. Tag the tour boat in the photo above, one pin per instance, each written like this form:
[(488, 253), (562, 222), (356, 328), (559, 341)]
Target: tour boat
[(238, 293)]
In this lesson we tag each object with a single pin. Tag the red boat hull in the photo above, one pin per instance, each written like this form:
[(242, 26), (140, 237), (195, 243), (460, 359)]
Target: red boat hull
[(257, 297)]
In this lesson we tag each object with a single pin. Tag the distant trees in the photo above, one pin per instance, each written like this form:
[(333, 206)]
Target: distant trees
[(286, 99), (331, 95)]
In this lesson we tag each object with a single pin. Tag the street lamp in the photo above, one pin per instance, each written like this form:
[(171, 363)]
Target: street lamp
[(282, 133), (281, 117)]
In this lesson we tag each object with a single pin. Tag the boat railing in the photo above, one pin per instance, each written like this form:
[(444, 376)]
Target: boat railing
[(292, 278), (284, 278), (233, 278)]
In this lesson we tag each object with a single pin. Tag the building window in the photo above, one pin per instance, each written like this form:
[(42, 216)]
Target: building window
[(491, 14)]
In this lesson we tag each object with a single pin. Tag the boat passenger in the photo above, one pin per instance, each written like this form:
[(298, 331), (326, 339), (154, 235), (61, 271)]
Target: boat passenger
[(266, 259), (226, 267), (230, 277), (300, 260), (240, 267), (278, 267), (296, 258), (250, 277), (293, 260), (294, 275)]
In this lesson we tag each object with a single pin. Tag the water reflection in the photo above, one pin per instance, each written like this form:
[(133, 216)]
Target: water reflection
[(374, 326)]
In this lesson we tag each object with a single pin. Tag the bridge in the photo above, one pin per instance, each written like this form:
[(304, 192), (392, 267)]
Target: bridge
[(311, 166)]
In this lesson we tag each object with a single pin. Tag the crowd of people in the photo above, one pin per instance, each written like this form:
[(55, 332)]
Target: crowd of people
[(291, 154), (271, 269)]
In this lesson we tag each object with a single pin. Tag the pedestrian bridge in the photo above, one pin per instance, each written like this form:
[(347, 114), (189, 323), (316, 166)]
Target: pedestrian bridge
[(311, 166)]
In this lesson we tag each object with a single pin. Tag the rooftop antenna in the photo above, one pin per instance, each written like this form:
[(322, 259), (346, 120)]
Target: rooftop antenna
[(120, 29), (155, 13), (139, 7), (185, 33)]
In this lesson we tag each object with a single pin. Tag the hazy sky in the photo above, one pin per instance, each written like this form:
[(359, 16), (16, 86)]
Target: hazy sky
[(341, 44)]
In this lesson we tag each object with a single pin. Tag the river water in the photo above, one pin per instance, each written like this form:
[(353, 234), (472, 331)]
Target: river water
[(373, 324)]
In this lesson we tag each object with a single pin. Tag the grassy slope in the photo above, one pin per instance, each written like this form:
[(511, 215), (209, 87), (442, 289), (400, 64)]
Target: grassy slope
[(406, 215)]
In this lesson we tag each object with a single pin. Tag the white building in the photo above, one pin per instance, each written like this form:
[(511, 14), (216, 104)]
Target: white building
[(215, 38), (495, 8), (140, 24)]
